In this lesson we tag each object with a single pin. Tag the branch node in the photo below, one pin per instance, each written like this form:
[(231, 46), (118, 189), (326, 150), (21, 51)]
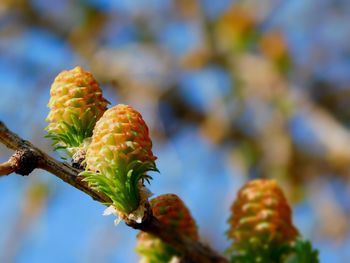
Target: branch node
[(26, 161)]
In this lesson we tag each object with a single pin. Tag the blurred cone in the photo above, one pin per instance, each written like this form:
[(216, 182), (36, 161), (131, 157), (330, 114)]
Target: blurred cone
[(170, 210), (261, 219)]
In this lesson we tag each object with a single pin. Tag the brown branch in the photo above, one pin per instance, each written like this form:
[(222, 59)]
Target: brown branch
[(28, 157), (8, 167)]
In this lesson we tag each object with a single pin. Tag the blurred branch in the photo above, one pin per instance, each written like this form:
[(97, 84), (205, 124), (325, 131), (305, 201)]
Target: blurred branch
[(33, 17), (27, 158), (216, 55)]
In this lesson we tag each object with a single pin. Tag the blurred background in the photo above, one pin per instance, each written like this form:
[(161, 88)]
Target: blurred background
[(231, 91)]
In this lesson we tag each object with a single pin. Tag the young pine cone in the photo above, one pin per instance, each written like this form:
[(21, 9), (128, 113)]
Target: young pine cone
[(76, 103), (118, 157)]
